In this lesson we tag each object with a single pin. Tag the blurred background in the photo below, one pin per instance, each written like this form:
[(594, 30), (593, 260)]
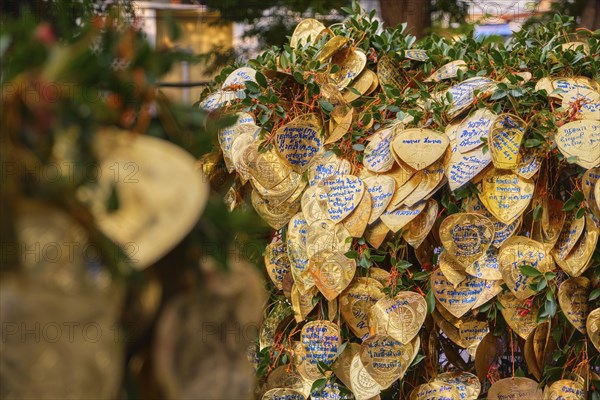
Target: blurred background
[(80, 318)]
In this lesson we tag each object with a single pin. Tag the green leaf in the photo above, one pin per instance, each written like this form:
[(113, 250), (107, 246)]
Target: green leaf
[(580, 213), (570, 204), (318, 385), (528, 270), (326, 106), (358, 147), (418, 359), (353, 90), (430, 299), (529, 143), (577, 195), (595, 294), (252, 87), (260, 79), (537, 212), (352, 254), (299, 77)]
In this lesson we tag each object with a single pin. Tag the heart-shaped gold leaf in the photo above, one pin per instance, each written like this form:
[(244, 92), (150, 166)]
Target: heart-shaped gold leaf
[(355, 303), (487, 266), (344, 193), (473, 130), (580, 257), (227, 135), (397, 219), (363, 386), (314, 204), (417, 230), (573, 299), (502, 231), (565, 389), (506, 196), (401, 317), (332, 272), (466, 236), (375, 234), (325, 165), (378, 152), (282, 393), (581, 140), (447, 71), (468, 385), (302, 303), (357, 221), (419, 148), (381, 188), (276, 216), (471, 333), (385, 358), (515, 388), (300, 141), (451, 268), (592, 326), (435, 391), (325, 235), (518, 315), (461, 168), (517, 252), (277, 263), (505, 140), (457, 300), (320, 340)]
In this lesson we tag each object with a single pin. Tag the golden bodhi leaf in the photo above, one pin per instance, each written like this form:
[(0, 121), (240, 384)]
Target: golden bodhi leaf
[(378, 152), (356, 301), (519, 251), (517, 388), (351, 63), (573, 299), (386, 359), (472, 132), (435, 390), (505, 140), (581, 140), (565, 389), (299, 141), (283, 394), (520, 317), (460, 299), (592, 326), (320, 340), (447, 71), (401, 317), (418, 229), (381, 189), (419, 148), (357, 221), (506, 196), (344, 194), (306, 31), (277, 263), (332, 272), (468, 385), (454, 271), (397, 219), (341, 366), (155, 211), (466, 236), (580, 257)]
